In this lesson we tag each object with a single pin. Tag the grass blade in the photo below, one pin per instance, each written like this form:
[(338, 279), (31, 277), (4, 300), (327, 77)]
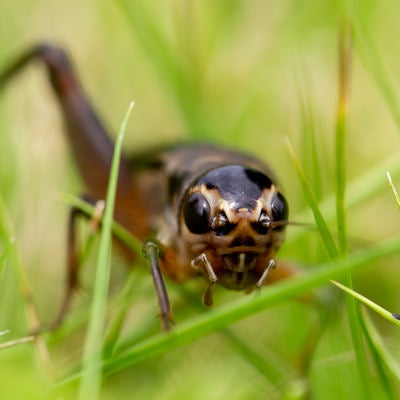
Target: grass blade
[(218, 318), (91, 379), (393, 187), (378, 350), (313, 203), (341, 133), (118, 230), (353, 311), (369, 303), (368, 185)]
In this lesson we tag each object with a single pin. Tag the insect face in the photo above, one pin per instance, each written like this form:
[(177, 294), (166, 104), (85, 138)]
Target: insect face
[(233, 221)]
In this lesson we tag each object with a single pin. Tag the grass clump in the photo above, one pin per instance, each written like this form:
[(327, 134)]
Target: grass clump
[(225, 73)]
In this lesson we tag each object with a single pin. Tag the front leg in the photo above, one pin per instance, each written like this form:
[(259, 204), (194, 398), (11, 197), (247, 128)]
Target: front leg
[(152, 252), (73, 259), (201, 263)]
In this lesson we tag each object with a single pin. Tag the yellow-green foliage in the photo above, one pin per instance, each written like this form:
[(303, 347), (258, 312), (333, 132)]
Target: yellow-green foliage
[(241, 73)]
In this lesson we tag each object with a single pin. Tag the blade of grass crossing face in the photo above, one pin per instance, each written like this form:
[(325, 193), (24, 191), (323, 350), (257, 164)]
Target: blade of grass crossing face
[(92, 358)]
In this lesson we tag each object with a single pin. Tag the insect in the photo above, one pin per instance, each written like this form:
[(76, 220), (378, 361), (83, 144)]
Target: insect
[(199, 209)]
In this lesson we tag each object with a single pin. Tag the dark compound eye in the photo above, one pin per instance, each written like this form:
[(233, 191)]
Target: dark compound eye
[(263, 225), (277, 221), (221, 225), (279, 209), (196, 212)]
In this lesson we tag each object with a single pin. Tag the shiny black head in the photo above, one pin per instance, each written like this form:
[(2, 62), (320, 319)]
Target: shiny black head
[(221, 199)]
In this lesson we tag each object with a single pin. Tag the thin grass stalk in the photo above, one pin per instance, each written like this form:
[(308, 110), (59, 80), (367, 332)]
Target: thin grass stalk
[(32, 316), (381, 356), (90, 385), (118, 230), (322, 226), (353, 310), (235, 311), (389, 361), (394, 190), (369, 303), (114, 330), (242, 308), (358, 191), (341, 133), (275, 369), (314, 163)]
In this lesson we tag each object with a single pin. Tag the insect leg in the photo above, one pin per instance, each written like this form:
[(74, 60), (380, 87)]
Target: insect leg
[(92, 147), (86, 133), (151, 251), (202, 260), (72, 279), (264, 275)]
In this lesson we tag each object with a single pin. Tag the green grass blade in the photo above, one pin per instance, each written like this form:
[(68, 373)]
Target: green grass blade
[(313, 203), (115, 326), (311, 152), (91, 379), (393, 187), (219, 318), (369, 303), (353, 311), (273, 368), (341, 133), (118, 230), (368, 185), (380, 355), (384, 355)]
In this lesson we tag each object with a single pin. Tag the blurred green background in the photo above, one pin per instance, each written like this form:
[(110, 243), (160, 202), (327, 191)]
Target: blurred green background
[(240, 73)]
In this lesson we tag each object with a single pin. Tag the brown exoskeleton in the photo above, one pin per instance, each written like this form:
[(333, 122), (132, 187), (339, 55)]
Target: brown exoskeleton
[(199, 209)]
